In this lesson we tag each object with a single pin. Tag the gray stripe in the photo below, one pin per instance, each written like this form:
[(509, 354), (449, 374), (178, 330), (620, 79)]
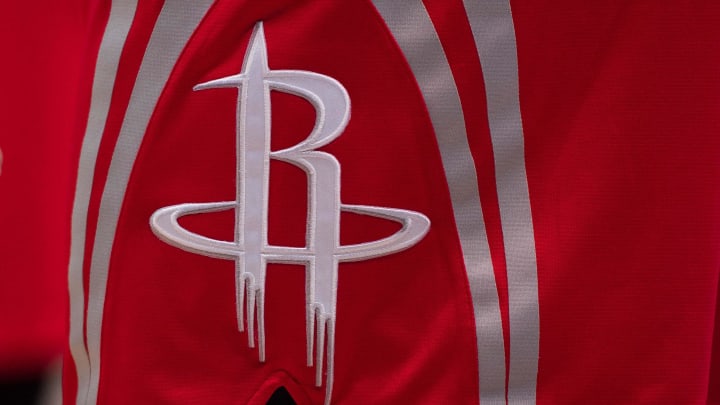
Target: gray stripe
[(118, 25), (492, 26), (177, 21), (413, 30)]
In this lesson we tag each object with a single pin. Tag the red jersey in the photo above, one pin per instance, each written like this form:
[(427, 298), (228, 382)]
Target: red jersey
[(41, 104), (390, 202)]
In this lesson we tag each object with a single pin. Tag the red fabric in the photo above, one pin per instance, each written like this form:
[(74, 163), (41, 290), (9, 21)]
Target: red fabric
[(620, 107), (43, 84), (149, 300), (620, 110), (714, 384), (454, 31)]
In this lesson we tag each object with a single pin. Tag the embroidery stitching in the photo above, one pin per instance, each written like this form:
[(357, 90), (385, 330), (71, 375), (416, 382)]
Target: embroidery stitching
[(250, 249)]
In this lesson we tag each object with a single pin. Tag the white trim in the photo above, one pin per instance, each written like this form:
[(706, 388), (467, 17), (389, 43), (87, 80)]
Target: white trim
[(414, 32), (177, 21), (118, 25), (494, 33)]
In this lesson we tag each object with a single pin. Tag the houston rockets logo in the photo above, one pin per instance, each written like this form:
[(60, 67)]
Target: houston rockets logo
[(250, 248)]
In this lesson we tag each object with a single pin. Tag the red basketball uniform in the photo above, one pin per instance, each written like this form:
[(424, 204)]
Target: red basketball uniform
[(42, 103), (385, 202)]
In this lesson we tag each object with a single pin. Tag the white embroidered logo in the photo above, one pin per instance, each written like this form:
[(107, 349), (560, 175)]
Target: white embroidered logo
[(250, 249)]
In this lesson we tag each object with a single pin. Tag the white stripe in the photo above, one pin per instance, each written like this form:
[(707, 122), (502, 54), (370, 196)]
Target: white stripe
[(177, 21), (492, 26), (413, 30), (118, 25)]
